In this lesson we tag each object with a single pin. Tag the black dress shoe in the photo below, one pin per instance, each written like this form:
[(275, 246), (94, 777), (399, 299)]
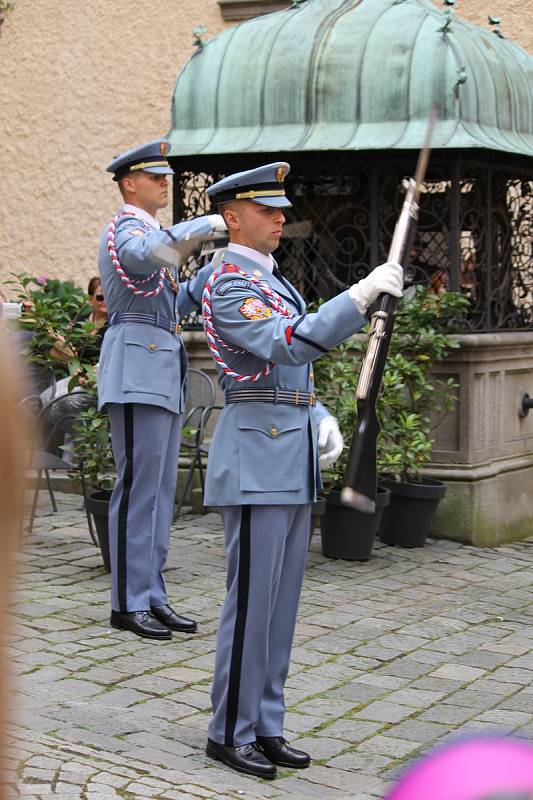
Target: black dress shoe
[(168, 617), (247, 758), (279, 752), (143, 623)]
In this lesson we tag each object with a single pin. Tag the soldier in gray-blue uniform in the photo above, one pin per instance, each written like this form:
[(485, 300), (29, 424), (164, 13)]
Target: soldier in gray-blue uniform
[(142, 379), (264, 461)]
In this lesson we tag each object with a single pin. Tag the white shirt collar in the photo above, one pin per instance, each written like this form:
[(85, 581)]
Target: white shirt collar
[(265, 262), (144, 215)]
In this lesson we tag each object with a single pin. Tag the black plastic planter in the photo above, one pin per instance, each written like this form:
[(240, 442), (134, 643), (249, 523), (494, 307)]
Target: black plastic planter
[(407, 520), (348, 533), (98, 506)]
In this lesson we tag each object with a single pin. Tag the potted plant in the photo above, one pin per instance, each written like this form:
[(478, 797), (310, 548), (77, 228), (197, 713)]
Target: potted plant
[(92, 445), (53, 320), (414, 401), (345, 532), (59, 336)]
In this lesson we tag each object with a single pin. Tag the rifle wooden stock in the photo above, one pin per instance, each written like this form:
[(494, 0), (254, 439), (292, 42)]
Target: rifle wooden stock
[(361, 473)]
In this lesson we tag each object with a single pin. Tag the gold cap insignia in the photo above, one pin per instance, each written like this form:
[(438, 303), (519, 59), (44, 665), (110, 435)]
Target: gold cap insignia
[(164, 147), (280, 173)]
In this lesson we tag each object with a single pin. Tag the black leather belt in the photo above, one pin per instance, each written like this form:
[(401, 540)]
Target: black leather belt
[(293, 397), (146, 319)]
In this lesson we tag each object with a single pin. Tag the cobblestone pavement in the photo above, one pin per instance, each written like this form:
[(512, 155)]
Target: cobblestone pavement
[(390, 656)]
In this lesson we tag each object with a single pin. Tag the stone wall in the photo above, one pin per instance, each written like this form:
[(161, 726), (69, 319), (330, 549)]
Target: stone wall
[(79, 83)]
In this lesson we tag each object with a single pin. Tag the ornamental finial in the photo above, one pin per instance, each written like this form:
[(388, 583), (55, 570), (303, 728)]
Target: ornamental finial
[(462, 77), (495, 22), (448, 16), (197, 33)]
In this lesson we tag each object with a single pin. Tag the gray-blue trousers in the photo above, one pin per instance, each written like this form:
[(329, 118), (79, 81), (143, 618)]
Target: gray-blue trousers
[(266, 547), (146, 443)]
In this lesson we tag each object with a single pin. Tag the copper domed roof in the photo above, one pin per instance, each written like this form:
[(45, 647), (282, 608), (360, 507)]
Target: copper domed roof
[(353, 75)]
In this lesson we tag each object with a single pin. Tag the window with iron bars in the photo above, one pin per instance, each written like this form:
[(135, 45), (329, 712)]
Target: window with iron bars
[(474, 235)]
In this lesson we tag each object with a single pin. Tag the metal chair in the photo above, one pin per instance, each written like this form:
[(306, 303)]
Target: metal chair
[(38, 381), (199, 406), (47, 459)]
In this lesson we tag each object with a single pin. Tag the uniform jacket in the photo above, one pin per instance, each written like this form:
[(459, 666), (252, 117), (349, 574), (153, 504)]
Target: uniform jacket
[(141, 363), (266, 453)]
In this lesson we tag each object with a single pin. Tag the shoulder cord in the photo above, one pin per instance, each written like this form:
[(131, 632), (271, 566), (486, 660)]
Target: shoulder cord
[(128, 282), (275, 302)]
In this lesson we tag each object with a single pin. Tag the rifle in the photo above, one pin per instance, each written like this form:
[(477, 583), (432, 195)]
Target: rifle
[(361, 472)]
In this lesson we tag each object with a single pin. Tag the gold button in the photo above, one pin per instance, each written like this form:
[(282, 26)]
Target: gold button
[(178, 328), (274, 432), (151, 347)]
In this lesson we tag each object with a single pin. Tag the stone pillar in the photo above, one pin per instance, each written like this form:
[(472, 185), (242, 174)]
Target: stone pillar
[(484, 449)]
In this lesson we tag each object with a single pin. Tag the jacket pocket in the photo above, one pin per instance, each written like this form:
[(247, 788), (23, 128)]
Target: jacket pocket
[(151, 364), (272, 448)]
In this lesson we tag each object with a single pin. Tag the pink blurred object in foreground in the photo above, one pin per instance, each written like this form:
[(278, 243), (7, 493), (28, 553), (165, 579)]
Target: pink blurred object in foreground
[(470, 769)]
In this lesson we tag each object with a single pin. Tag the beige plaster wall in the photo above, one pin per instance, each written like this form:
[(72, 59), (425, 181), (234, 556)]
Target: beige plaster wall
[(515, 15), (79, 82)]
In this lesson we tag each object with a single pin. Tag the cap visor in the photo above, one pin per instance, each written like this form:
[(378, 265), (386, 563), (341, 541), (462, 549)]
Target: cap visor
[(159, 170), (273, 202)]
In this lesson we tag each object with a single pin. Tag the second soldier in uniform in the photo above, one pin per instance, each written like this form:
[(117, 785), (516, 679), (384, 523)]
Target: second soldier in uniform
[(142, 382), (263, 468)]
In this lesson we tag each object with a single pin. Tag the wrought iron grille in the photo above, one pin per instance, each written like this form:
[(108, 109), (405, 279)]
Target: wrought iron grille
[(475, 229)]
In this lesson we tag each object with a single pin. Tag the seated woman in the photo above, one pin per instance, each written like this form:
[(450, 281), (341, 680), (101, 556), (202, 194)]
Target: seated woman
[(98, 316)]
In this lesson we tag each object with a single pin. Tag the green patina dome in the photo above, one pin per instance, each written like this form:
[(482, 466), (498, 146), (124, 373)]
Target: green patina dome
[(353, 75)]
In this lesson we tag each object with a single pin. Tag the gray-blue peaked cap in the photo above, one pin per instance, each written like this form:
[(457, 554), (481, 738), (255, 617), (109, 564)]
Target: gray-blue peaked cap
[(263, 185), (149, 157)]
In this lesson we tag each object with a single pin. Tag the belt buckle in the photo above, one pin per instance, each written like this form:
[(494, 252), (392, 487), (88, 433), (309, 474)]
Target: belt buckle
[(312, 399), (297, 396), (177, 328)]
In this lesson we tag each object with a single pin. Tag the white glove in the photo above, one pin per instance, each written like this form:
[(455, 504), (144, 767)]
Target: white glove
[(330, 441), (386, 278), (217, 222)]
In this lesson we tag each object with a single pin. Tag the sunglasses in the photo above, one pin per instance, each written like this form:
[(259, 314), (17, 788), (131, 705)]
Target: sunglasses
[(99, 297)]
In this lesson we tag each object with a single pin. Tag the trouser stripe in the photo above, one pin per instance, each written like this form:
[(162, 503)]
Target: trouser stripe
[(122, 572), (243, 585)]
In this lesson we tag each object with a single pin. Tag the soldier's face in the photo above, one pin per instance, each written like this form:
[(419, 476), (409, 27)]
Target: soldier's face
[(151, 191), (254, 225)]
